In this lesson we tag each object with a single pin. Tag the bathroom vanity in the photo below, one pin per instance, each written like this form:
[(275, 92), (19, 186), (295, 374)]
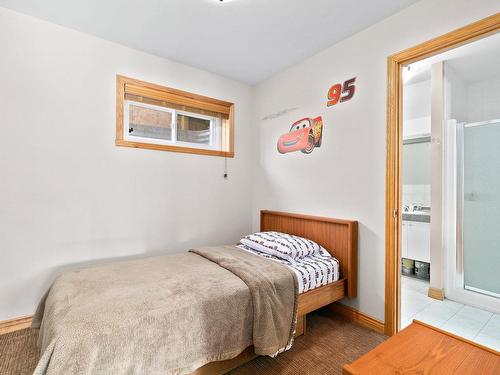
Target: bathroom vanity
[(416, 237), (416, 218)]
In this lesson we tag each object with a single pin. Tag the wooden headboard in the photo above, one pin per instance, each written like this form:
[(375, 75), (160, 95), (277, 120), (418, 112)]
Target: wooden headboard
[(338, 237)]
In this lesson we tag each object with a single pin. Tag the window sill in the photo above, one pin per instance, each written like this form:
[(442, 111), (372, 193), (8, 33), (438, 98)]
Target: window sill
[(186, 150)]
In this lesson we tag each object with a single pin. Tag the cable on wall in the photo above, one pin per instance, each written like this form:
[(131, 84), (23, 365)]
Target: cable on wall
[(225, 167)]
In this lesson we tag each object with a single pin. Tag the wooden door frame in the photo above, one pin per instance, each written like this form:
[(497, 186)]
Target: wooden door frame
[(395, 63)]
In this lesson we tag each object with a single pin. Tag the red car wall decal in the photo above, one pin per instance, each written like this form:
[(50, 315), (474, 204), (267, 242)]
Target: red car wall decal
[(304, 135)]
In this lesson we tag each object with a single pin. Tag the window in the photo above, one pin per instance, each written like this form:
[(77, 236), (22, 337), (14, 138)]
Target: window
[(161, 118), (147, 121)]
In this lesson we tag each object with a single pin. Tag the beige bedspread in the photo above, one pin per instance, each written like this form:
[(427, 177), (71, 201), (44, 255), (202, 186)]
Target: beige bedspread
[(165, 315)]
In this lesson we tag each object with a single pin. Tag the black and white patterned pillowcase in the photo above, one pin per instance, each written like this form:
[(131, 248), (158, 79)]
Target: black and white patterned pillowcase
[(297, 247), (303, 246), (282, 245), (261, 254), (267, 249)]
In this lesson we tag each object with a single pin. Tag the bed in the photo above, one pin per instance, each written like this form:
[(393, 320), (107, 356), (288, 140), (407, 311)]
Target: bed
[(337, 236), (202, 312)]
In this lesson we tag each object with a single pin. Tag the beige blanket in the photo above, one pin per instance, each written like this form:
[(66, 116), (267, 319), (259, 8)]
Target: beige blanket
[(165, 315)]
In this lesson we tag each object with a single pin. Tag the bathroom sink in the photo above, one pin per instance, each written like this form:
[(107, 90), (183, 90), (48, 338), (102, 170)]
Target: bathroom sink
[(419, 216)]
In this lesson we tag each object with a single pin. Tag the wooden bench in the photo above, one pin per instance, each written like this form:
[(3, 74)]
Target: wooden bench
[(423, 349)]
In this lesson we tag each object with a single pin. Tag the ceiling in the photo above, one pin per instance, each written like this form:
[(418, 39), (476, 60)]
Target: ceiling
[(477, 61), (473, 62), (246, 40)]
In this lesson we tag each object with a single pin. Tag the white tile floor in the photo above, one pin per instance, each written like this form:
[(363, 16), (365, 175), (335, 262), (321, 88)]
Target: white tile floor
[(472, 323)]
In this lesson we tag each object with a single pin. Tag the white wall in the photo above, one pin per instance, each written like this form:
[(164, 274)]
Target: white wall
[(417, 100), (67, 194), (416, 157), (416, 174), (455, 94), (471, 101), (417, 109), (483, 100), (345, 178), (438, 109)]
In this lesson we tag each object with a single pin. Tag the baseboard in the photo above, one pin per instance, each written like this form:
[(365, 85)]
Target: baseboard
[(15, 324), (436, 293), (358, 317), (350, 313)]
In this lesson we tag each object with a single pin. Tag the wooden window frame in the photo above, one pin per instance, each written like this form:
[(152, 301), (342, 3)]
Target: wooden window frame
[(395, 63), (126, 85)]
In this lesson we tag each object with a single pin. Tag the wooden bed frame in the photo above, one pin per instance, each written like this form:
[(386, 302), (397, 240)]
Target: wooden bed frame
[(339, 238)]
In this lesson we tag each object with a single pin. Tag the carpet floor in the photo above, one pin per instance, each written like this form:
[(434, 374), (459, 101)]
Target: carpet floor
[(330, 343)]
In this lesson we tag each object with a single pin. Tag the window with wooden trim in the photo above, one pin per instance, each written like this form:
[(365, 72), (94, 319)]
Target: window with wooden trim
[(161, 118)]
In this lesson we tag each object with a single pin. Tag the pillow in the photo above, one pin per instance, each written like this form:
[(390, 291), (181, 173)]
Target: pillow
[(261, 254), (281, 245)]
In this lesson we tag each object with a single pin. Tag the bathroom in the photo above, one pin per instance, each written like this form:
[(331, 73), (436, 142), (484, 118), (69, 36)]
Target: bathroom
[(451, 192)]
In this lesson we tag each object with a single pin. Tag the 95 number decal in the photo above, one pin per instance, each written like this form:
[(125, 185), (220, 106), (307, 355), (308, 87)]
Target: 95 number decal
[(341, 93)]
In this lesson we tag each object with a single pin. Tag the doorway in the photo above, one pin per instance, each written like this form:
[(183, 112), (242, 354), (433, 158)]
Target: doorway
[(394, 200)]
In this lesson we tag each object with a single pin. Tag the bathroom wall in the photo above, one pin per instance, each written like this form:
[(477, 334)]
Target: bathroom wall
[(417, 109), (467, 101), (417, 174), (417, 156), (483, 100), (455, 95)]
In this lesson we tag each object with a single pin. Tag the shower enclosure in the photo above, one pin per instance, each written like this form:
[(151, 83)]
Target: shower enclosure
[(479, 200), (476, 192)]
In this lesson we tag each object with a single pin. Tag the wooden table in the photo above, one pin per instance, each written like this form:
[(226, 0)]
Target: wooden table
[(422, 349)]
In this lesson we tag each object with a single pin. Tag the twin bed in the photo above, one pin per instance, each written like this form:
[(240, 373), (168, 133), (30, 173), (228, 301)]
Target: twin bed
[(204, 312)]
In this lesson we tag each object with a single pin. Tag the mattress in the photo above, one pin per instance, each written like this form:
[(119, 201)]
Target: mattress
[(312, 271)]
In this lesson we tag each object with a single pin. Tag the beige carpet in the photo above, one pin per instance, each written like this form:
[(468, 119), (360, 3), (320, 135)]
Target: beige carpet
[(330, 342)]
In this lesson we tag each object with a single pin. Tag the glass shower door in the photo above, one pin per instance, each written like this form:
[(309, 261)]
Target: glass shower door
[(481, 207)]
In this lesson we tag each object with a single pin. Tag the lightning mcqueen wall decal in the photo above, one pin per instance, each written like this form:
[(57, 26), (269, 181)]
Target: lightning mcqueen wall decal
[(304, 135)]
